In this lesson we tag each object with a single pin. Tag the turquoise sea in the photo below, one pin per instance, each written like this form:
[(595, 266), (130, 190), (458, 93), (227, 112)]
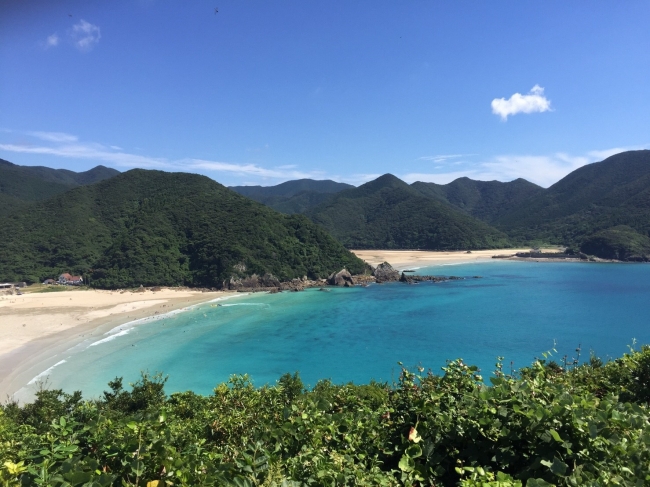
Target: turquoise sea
[(517, 310)]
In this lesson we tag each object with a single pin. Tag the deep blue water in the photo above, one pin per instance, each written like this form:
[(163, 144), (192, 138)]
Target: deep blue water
[(517, 310)]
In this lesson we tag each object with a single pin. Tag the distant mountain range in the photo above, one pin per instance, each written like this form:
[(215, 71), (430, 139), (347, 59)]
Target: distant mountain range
[(293, 196), (388, 213), (485, 200), (151, 227), (592, 199), (22, 184)]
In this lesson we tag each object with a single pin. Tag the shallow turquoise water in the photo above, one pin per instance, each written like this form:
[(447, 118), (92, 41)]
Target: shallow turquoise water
[(516, 310)]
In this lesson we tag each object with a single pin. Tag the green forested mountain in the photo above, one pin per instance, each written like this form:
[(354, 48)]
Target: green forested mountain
[(485, 200), (157, 228), (291, 188), (293, 196), (620, 243), (592, 198), (298, 203), (21, 184), (388, 213)]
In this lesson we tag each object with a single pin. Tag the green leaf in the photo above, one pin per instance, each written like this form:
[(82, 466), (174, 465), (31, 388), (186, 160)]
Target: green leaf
[(77, 478), (538, 483), (555, 435), (414, 451), (242, 482), (406, 464), (558, 467)]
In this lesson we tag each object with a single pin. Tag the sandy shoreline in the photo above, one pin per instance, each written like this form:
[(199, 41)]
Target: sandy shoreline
[(37, 328), (406, 259)]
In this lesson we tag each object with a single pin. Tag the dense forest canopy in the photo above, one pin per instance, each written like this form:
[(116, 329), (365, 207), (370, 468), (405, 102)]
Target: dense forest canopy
[(387, 213), (157, 228), (22, 184), (592, 198)]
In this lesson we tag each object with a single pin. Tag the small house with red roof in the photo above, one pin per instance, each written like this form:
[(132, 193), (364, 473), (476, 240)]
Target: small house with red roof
[(70, 280)]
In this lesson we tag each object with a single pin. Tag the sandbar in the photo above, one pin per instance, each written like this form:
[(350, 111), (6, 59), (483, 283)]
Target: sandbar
[(35, 328)]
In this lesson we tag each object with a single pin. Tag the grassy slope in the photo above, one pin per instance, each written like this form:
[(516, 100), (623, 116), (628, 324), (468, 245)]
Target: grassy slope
[(388, 213), (151, 227)]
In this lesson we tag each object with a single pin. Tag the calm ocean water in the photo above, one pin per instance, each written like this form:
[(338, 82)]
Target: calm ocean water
[(517, 310)]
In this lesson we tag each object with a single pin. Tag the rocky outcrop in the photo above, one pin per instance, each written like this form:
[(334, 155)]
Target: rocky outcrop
[(270, 283), (415, 279), (385, 273), (341, 278), (254, 282)]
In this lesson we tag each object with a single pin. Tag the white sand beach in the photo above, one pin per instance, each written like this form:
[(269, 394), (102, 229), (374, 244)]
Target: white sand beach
[(35, 327), (405, 259)]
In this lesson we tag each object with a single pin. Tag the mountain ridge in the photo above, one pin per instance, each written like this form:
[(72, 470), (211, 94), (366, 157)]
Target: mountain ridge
[(20, 185), (388, 213), (293, 196), (605, 194)]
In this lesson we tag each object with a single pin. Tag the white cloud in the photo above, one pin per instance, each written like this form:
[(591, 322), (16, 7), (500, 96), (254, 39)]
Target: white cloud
[(90, 151), (52, 41), (356, 179), (543, 170), (540, 169), (245, 169), (444, 157), (604, 154), (85, 35), (54, 136), (534, 101), (66, 145)]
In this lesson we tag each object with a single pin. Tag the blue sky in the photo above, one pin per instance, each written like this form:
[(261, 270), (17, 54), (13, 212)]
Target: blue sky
[(263, 92)]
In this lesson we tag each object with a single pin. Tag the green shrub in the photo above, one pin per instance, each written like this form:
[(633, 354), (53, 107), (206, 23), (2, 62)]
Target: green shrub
[(563, 424)]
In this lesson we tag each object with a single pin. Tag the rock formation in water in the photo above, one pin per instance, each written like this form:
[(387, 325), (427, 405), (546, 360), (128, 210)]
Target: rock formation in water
[(341, 278), (385, 273)]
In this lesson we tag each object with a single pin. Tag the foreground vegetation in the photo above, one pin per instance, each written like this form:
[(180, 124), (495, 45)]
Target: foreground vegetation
[(567, 425)]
